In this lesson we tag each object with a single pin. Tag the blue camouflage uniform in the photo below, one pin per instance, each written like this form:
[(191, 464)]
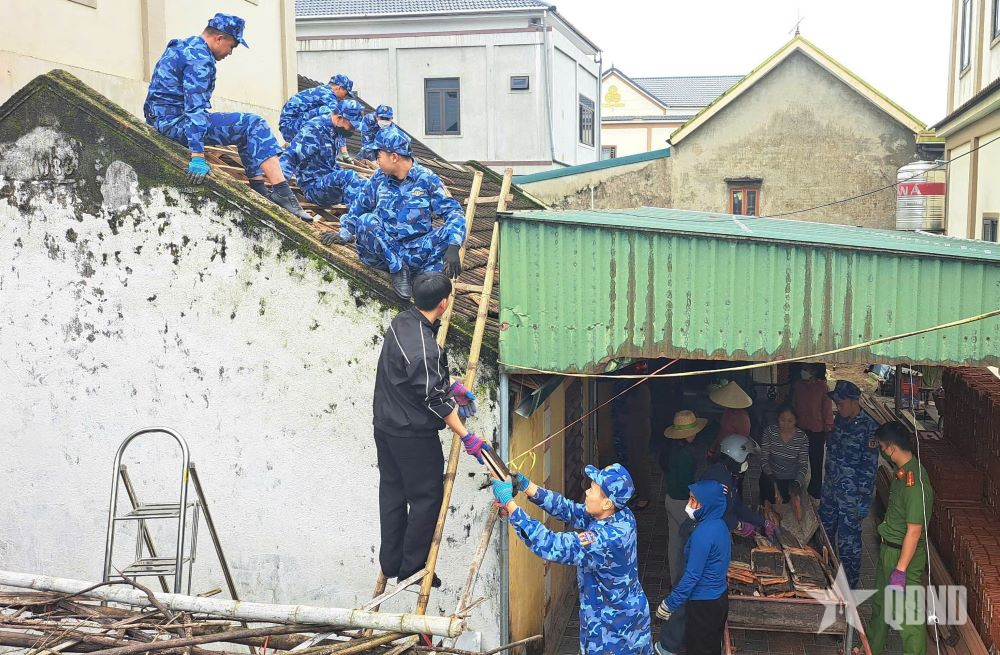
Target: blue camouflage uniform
[(614, 612), (848, 481), (311, 158), (369, 128), (391, 219), (310, 103), (180, 94)]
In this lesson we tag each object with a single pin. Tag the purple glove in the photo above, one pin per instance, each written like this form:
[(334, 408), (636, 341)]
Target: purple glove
[(475, 446), (745, 529), (465, 399), (897, 581), (771, 530)]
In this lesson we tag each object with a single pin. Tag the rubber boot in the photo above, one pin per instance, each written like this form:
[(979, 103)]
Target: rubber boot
[(258, 185)]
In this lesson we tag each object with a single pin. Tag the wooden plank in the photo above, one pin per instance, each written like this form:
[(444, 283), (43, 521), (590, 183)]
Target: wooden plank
[(470, 215), (486, 200)]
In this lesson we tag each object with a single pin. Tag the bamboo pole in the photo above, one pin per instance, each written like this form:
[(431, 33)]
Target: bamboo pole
[(477, 562), (242, 610), (470, 215), (456, 443)]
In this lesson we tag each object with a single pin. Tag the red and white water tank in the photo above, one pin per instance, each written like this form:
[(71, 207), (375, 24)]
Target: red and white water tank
[(920, 188)]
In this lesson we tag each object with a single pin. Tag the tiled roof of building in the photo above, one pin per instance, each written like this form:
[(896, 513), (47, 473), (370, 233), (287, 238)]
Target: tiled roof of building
[(317, 8), (656, 117), (694, 91)]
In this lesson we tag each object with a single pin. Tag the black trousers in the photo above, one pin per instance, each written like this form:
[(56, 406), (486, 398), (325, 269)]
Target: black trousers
[(787, 488), (817, 450), (410, 489), (706, 623)]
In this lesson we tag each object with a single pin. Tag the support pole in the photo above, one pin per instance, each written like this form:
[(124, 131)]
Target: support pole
[(243, 610), (456, 443), (470, 215)]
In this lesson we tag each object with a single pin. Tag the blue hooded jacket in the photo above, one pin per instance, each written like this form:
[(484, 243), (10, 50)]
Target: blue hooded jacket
[(707, 551), (736, 510)]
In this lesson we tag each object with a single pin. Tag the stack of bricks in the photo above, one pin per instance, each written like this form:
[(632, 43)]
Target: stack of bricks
[(965, 470)]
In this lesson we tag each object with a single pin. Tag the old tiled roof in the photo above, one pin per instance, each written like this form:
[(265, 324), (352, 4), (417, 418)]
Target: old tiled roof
[(695, 91), (458, 179), (318, 8), (159, 161)]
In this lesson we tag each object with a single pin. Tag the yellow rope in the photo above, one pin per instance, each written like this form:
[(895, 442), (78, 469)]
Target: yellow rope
[(513, 464), (747, 367)]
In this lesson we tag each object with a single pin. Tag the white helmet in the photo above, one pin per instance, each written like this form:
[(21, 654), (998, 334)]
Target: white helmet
[(739, 448)]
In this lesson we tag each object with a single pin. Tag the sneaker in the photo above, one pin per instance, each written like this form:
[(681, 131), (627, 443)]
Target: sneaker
[(401, 283), (285, 198)]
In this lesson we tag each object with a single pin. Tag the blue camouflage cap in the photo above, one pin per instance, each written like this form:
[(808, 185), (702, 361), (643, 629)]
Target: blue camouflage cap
[(845, 390), (351, 110), (614, 480), (342, 80), (383, 111), (231, 25), (393, 140)]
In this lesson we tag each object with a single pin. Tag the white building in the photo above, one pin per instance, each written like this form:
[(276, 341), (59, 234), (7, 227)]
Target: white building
[(638, 114), (113, 46), (505, 82), (971, 129)]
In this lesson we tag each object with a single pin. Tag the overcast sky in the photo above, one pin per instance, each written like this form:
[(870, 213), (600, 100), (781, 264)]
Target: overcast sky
[(898, 46)]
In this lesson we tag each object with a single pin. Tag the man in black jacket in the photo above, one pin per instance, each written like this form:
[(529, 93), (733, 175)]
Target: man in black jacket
[(414, 399)]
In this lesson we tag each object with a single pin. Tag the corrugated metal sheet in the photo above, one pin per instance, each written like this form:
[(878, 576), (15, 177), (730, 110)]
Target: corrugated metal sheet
[(580, 288)]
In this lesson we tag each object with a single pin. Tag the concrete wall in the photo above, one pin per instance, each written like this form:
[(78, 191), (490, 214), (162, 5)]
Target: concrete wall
[(620, 98), (632, 185), (113, 46), (633, 138), (984, 59), (809, 136), (390, 58), (128, 305)]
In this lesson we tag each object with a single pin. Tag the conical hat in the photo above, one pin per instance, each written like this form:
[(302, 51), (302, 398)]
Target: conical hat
[(686, 424), (730, 396)]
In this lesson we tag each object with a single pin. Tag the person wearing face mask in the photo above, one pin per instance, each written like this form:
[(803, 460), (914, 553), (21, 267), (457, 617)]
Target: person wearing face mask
[(815, 416), (310, 103), (849, 477), (702, 591), (370, 125), (614, 611), (391, 218), (903, 551), (311, 156)]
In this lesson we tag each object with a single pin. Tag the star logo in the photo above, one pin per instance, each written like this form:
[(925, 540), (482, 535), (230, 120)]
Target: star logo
[(852, 599)]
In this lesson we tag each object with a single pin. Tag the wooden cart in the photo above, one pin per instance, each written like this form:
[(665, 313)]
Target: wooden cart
[(800, 615)]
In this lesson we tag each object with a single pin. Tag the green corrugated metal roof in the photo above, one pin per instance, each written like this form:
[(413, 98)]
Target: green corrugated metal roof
[(580, 288)]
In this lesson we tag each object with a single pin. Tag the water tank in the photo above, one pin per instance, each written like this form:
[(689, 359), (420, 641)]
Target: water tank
[(920, 197)]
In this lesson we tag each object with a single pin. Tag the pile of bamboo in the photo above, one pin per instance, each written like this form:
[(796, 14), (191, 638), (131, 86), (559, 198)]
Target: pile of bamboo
[(49, 616)]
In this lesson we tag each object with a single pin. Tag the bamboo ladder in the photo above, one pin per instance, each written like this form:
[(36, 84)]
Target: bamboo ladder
[(485, 291)]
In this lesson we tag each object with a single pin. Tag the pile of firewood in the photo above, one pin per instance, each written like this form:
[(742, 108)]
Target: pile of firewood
[(50, 623)]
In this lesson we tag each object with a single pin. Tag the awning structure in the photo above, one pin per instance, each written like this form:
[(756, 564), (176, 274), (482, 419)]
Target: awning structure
[(581, 288)]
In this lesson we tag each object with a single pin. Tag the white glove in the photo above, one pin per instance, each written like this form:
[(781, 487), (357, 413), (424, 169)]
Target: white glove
[(663, 612)]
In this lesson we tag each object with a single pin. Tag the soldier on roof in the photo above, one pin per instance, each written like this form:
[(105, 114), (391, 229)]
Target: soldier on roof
[(370, 125), (180, 94), (310, 157), (391, 217), (310, 103)]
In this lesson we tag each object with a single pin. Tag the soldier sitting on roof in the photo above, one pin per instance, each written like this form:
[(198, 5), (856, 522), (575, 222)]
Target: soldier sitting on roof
[(310, 103), (178, 100), (310, 156), (391, 217), (370, 125)]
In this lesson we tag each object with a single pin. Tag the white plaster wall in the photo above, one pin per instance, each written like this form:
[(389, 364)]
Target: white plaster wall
[(956, 220), (157, 311), (105, 47)]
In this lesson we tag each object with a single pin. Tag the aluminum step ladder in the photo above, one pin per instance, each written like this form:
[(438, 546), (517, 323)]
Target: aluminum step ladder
[(185, 513)]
